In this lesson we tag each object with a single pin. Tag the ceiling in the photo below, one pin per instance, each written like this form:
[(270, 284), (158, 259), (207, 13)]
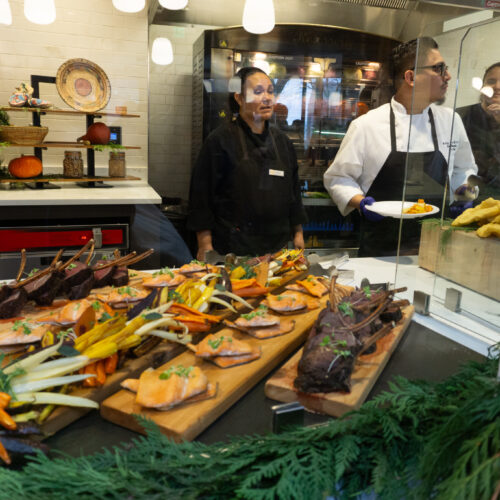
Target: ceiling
[(400, 19)]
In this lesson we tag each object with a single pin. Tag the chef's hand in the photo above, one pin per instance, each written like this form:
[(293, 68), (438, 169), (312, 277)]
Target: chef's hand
[(368, 214), (298, 238), (458, 207), (204, 244), (466, 193)]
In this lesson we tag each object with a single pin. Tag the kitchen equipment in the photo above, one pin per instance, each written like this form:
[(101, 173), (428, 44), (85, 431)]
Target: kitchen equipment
[(83, 85), (22, 135), (73, 164)]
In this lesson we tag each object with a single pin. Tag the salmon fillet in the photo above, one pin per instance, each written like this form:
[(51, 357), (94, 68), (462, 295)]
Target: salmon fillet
[(160, 389), (22, 332), (221, 346)]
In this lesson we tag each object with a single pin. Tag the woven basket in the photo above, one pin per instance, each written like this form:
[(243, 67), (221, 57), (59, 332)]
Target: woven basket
[(23, 135)]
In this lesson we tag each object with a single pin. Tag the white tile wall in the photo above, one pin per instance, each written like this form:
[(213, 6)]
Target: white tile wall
[(89, 29), (170, 112)]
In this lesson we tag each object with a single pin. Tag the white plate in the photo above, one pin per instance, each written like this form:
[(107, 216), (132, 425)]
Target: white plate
[(394, 209)]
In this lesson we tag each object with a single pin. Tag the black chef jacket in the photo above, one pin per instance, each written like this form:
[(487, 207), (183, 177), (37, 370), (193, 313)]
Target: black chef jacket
[(484, 136), (245, 189)]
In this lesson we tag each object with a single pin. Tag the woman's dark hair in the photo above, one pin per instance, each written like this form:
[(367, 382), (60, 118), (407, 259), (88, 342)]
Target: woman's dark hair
[(404, 55), (495, 65), (243, 75)]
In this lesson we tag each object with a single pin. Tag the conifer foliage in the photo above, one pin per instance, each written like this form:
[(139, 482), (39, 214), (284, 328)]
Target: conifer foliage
[(419, 440)]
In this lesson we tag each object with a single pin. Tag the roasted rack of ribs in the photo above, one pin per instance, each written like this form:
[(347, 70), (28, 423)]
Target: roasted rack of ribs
[(348, 327)]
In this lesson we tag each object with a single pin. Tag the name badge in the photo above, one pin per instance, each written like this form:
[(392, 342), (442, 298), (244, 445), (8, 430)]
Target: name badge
[(277, 173)]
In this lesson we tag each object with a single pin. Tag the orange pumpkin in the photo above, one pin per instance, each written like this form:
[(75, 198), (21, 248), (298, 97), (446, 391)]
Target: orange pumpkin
[(25, 167)]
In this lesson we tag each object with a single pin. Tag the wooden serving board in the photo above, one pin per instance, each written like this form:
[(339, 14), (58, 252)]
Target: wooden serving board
[(185, 423), (367, 370)]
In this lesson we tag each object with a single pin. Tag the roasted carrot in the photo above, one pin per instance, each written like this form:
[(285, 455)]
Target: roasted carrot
[(177, 308), (194, 327), (91, 369), (7, 421), (239, 284), (191, 318), (111, 363), (4, 399), (3, 454), (101, 372)]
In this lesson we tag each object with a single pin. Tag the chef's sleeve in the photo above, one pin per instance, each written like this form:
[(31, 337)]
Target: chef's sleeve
[(342, 179), (297, 211), (463, 162), (202, 188)]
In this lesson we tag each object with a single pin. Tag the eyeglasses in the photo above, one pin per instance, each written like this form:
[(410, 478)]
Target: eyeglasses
[(440, 68)]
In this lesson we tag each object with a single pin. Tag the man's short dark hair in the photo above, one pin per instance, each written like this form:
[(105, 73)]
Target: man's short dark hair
[(405, 54)]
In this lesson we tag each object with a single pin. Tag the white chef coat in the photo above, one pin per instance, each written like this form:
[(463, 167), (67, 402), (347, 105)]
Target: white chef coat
[(367, 145)]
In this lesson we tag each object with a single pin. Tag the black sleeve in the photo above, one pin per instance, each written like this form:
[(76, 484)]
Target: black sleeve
[(203, 185), (297, 212)]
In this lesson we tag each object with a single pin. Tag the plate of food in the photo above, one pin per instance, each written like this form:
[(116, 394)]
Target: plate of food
[(403, 209)]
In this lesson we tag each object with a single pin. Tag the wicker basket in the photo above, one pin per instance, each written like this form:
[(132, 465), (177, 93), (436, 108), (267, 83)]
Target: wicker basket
[(22, 135)]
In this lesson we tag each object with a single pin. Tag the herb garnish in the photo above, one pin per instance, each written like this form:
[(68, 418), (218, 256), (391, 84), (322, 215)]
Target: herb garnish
[(33, 271), (346, 309), (179, 370), (96, 305), (127, 290), (72, 266), (260, 311), (164, 270), (22, 324), (175, 296), (367, 291), (5, 380), (216, 343)]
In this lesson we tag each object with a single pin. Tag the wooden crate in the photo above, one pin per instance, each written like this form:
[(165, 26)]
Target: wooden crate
[(462, 257)]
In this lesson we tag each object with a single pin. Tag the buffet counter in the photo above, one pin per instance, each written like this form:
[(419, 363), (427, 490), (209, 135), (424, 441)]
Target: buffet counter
[(422, 354), (122, 193), (429, 350)]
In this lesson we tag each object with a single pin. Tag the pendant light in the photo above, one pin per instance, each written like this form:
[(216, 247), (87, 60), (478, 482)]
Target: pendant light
[(174, 4), (40, 11), (162, 52), (258, 16), (5, 13), (129, 5)]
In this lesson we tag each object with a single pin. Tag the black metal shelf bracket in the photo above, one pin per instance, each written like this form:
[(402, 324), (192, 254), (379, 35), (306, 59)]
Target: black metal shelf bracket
[(35, 83)]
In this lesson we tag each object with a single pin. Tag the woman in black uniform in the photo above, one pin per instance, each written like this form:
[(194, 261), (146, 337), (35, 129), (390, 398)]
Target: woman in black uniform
[(245, 193)]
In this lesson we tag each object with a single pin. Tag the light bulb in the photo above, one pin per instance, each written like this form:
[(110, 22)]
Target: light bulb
[(174, 4), (258, 16), (40, 11), (162, 52), (487, 91), (5, 13), (129, 6), (477, 83)]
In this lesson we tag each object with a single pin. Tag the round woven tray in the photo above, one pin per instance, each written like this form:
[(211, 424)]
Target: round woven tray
[(83, 85), (22, 135)]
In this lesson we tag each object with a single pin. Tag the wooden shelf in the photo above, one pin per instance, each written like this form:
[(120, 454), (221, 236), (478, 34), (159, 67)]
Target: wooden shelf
[(71, 179), (77, 145), (27, 109)]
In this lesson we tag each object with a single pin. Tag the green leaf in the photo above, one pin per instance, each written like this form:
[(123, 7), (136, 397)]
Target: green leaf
[(68, 351), (152, 316)]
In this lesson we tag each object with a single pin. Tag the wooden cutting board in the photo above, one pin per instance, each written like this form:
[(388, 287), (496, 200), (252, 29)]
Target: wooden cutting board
[(185, 423), (367, 370)]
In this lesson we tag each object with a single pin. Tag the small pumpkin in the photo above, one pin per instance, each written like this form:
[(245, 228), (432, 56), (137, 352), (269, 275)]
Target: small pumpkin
[(25, 167)]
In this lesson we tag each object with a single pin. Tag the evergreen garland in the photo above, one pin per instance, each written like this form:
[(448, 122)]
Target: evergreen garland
[(419, 440)]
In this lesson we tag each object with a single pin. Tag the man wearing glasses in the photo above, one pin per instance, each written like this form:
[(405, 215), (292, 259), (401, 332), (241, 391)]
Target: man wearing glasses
[(406, 143)]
